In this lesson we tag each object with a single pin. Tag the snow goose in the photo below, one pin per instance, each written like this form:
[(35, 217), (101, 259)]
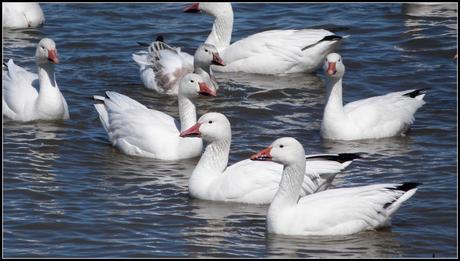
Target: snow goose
[(138, 131), (22, 15), (249, 181), (268, 52), (162, 67), (339, 211), (20, 99), (376, 117)]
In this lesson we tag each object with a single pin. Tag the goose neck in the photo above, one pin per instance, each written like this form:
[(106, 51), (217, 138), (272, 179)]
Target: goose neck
[(290, 186), (46, 76), (221, 32), (201, 67), (187, 112), (334, 101), (215, 157)]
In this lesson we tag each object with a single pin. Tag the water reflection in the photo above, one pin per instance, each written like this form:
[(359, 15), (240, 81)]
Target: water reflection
[(143, 172), (35, 142), (388, 146), (221, 213), (30, 154), (271, 82), (427, 25), (233, 228), (20, 38), (362, 245), (430, 9)]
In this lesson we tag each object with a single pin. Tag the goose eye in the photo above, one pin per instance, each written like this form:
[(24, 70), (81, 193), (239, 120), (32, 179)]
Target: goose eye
[(192, 81), (210, 122), (339, 60), (281, 146), (205, 50)]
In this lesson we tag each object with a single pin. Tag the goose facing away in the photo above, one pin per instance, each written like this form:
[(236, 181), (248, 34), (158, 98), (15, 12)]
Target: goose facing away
[(139, 131), (22, 15), (339, 211), (268, 52), (163, 66), (20, 99), (376, 117), (249, 181)]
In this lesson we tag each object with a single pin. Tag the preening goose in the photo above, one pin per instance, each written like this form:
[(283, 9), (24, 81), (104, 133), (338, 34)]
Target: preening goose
[(162, 67)]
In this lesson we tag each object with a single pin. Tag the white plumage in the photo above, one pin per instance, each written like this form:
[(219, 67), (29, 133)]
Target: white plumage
[(376, 117), (138, 131), (269, 52), (339, 211), (249, 181), (162, 66), (342, 211), (20, 99), (22, 15)]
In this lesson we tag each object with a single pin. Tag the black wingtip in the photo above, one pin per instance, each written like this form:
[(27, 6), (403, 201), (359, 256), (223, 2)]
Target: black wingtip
[(344, 157), (341, 157), (331, 37), (416, 93), (160, 38), (406, 186)]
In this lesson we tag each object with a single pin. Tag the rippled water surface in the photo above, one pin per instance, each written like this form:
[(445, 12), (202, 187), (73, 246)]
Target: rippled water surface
[(68, 193)]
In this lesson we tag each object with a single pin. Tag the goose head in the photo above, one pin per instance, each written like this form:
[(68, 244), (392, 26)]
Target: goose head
[(46, 52), (286, 151), (333, 66), (211, 127), (192, 85), (214, 9), (207, 54)]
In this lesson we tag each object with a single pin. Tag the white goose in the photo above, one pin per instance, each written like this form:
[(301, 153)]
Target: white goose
[(249, 181), (138, 131), (22, 15), (162, 67), (20, 99), (376, 117), (268, 52), (332, 212)]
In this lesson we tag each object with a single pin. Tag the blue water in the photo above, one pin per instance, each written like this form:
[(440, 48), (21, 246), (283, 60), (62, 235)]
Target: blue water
[(68, 193)]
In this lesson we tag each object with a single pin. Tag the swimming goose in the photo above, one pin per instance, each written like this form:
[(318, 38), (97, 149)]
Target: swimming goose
[(376, 117), (20, 99), (163, 66), (268, 52), (339, 211), (139, 131), (249, 181), (22, 15)]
